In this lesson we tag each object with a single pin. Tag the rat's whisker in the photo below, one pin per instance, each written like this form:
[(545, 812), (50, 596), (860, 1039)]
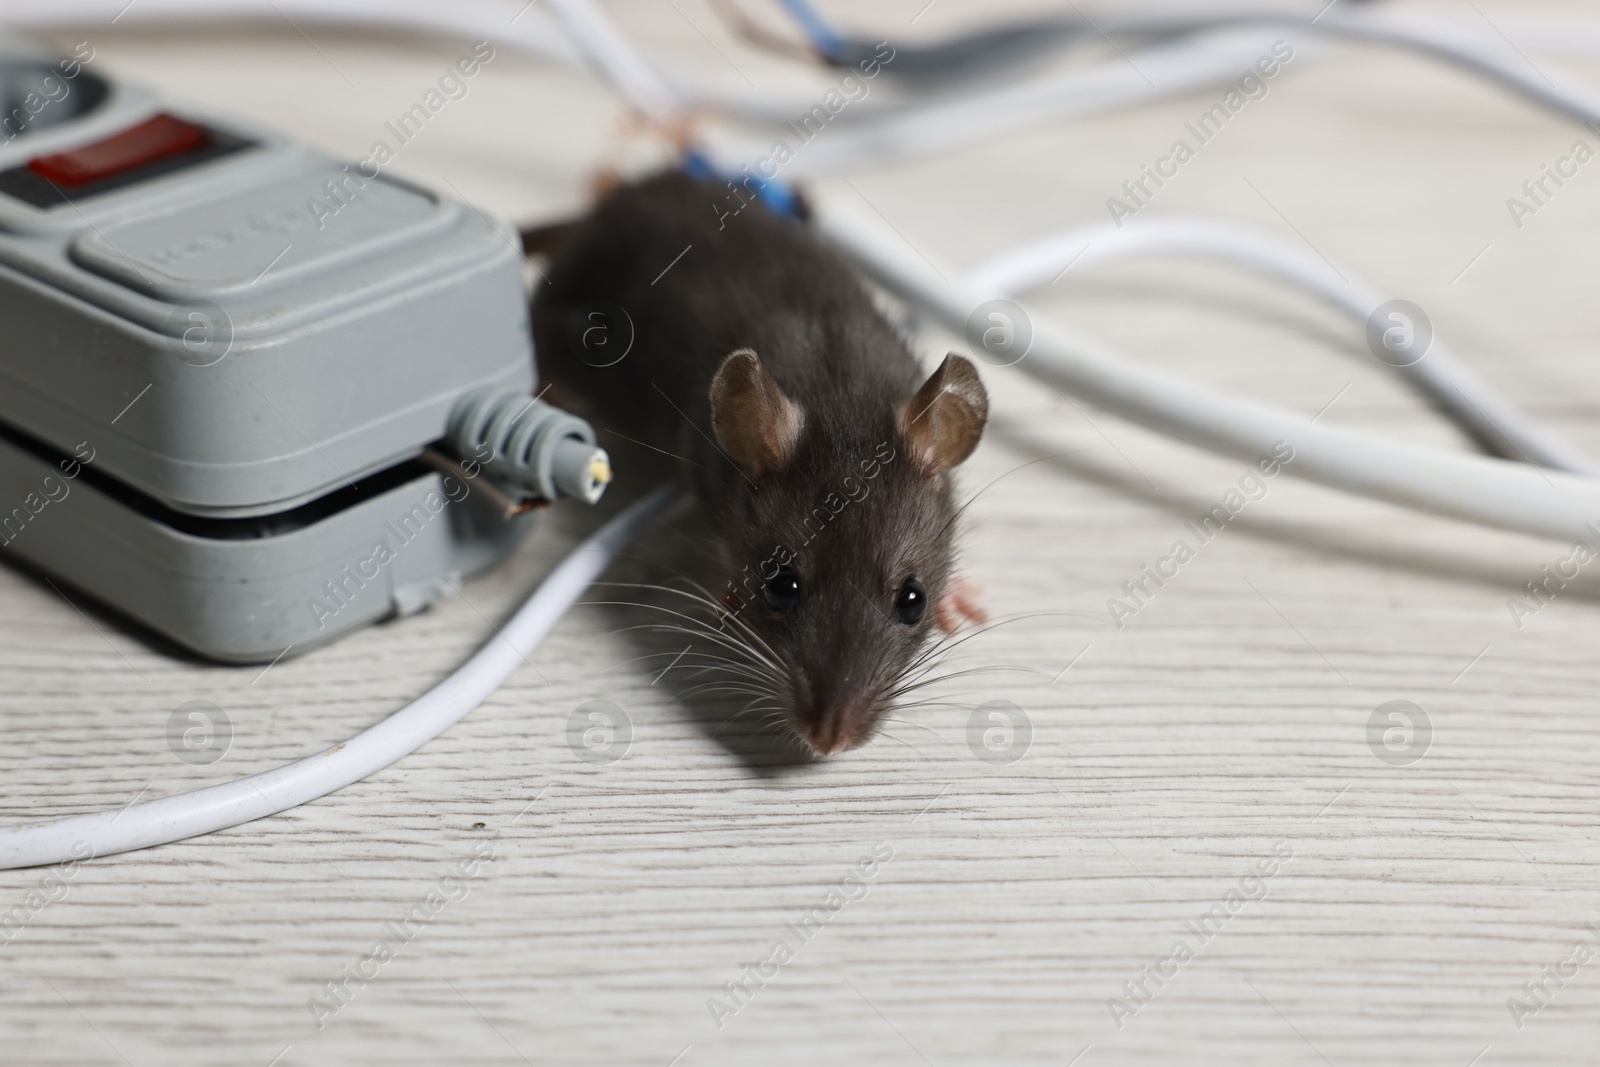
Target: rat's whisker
[(793, 741), (727, 670), (952, 703), (640, 659), (739, 663), (725, 687), (700, 661), (918, 725), (748, 709), (767, 724), (759, 669), (926, 680), (664, 452), (771, 723), (700, 629), (722, 614), (908, 744), (759, 704), (952, 641), (746, 638), (918, 705), (725, 616), (691, 658), (752, 683), (990, 668), (1021, 466), (704, 596)]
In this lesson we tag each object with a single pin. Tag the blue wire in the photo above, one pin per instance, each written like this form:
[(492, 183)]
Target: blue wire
[(824, 38), (779, 197)]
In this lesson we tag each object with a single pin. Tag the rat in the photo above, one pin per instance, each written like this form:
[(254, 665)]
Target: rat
[(817, 446)]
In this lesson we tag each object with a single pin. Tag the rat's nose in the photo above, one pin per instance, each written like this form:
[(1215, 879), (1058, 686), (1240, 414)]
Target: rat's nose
[(829, 734), (834, 722)]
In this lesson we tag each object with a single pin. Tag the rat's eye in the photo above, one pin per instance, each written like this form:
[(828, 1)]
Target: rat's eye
[(911, 602), (782, 590)]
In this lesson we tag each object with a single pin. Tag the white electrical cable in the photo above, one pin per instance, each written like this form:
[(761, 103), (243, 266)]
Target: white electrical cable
[(514, 24), (1492, 492), (598, 38), (984, 111), (978, 112), (875, 129), (576, 35), (1001, 104), (530, 31), (1437, 374), (1483, 52), (217, 807)]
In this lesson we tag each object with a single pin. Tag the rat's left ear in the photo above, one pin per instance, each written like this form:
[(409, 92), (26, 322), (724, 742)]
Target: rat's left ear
[(754, 421), (944, 421)]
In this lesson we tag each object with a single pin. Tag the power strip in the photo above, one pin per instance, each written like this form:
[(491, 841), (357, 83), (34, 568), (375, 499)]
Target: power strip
[(217, 385)]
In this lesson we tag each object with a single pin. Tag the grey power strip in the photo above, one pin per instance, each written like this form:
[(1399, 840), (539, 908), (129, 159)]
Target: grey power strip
[(213, 396)]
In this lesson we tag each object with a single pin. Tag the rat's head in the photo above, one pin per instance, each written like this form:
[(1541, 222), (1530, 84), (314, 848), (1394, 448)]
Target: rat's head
[(840, 538)]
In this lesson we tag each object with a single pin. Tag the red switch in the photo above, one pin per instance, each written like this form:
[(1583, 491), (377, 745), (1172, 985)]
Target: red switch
[(151, 140)]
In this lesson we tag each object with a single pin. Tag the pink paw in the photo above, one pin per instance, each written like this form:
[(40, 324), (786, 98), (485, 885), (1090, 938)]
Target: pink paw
[(959, 602)]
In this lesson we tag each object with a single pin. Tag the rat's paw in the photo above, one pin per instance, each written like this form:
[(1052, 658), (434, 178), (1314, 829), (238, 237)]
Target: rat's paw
[(960, 602)]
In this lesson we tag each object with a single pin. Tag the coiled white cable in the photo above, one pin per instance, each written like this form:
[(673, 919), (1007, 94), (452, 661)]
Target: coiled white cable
[(1511, 496), (217, 807), (1436, 374)]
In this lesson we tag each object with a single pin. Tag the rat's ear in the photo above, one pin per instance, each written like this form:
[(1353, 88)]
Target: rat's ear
[(944, 421), (754, 422)]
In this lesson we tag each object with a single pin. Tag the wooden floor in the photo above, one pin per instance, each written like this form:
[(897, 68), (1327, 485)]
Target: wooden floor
[(1203, 775)]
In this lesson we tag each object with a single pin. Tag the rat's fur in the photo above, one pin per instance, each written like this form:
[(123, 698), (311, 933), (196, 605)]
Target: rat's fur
[(756, 281)]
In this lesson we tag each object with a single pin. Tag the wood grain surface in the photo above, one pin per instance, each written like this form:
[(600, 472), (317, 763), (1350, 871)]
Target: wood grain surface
[(1005, 908)]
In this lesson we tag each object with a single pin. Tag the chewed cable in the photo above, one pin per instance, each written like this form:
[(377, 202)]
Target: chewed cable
[(1432, 371), (216, 807)]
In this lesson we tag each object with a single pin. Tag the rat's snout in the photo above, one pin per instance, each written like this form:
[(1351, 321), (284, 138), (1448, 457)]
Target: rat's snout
[(833, 721), (829, 734)]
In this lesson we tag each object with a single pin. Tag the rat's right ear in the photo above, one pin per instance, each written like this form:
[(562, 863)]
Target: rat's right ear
[(944, 421), (754, 422)]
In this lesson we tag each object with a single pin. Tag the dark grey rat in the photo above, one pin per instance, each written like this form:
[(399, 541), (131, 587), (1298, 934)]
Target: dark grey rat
[(818, 448)]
